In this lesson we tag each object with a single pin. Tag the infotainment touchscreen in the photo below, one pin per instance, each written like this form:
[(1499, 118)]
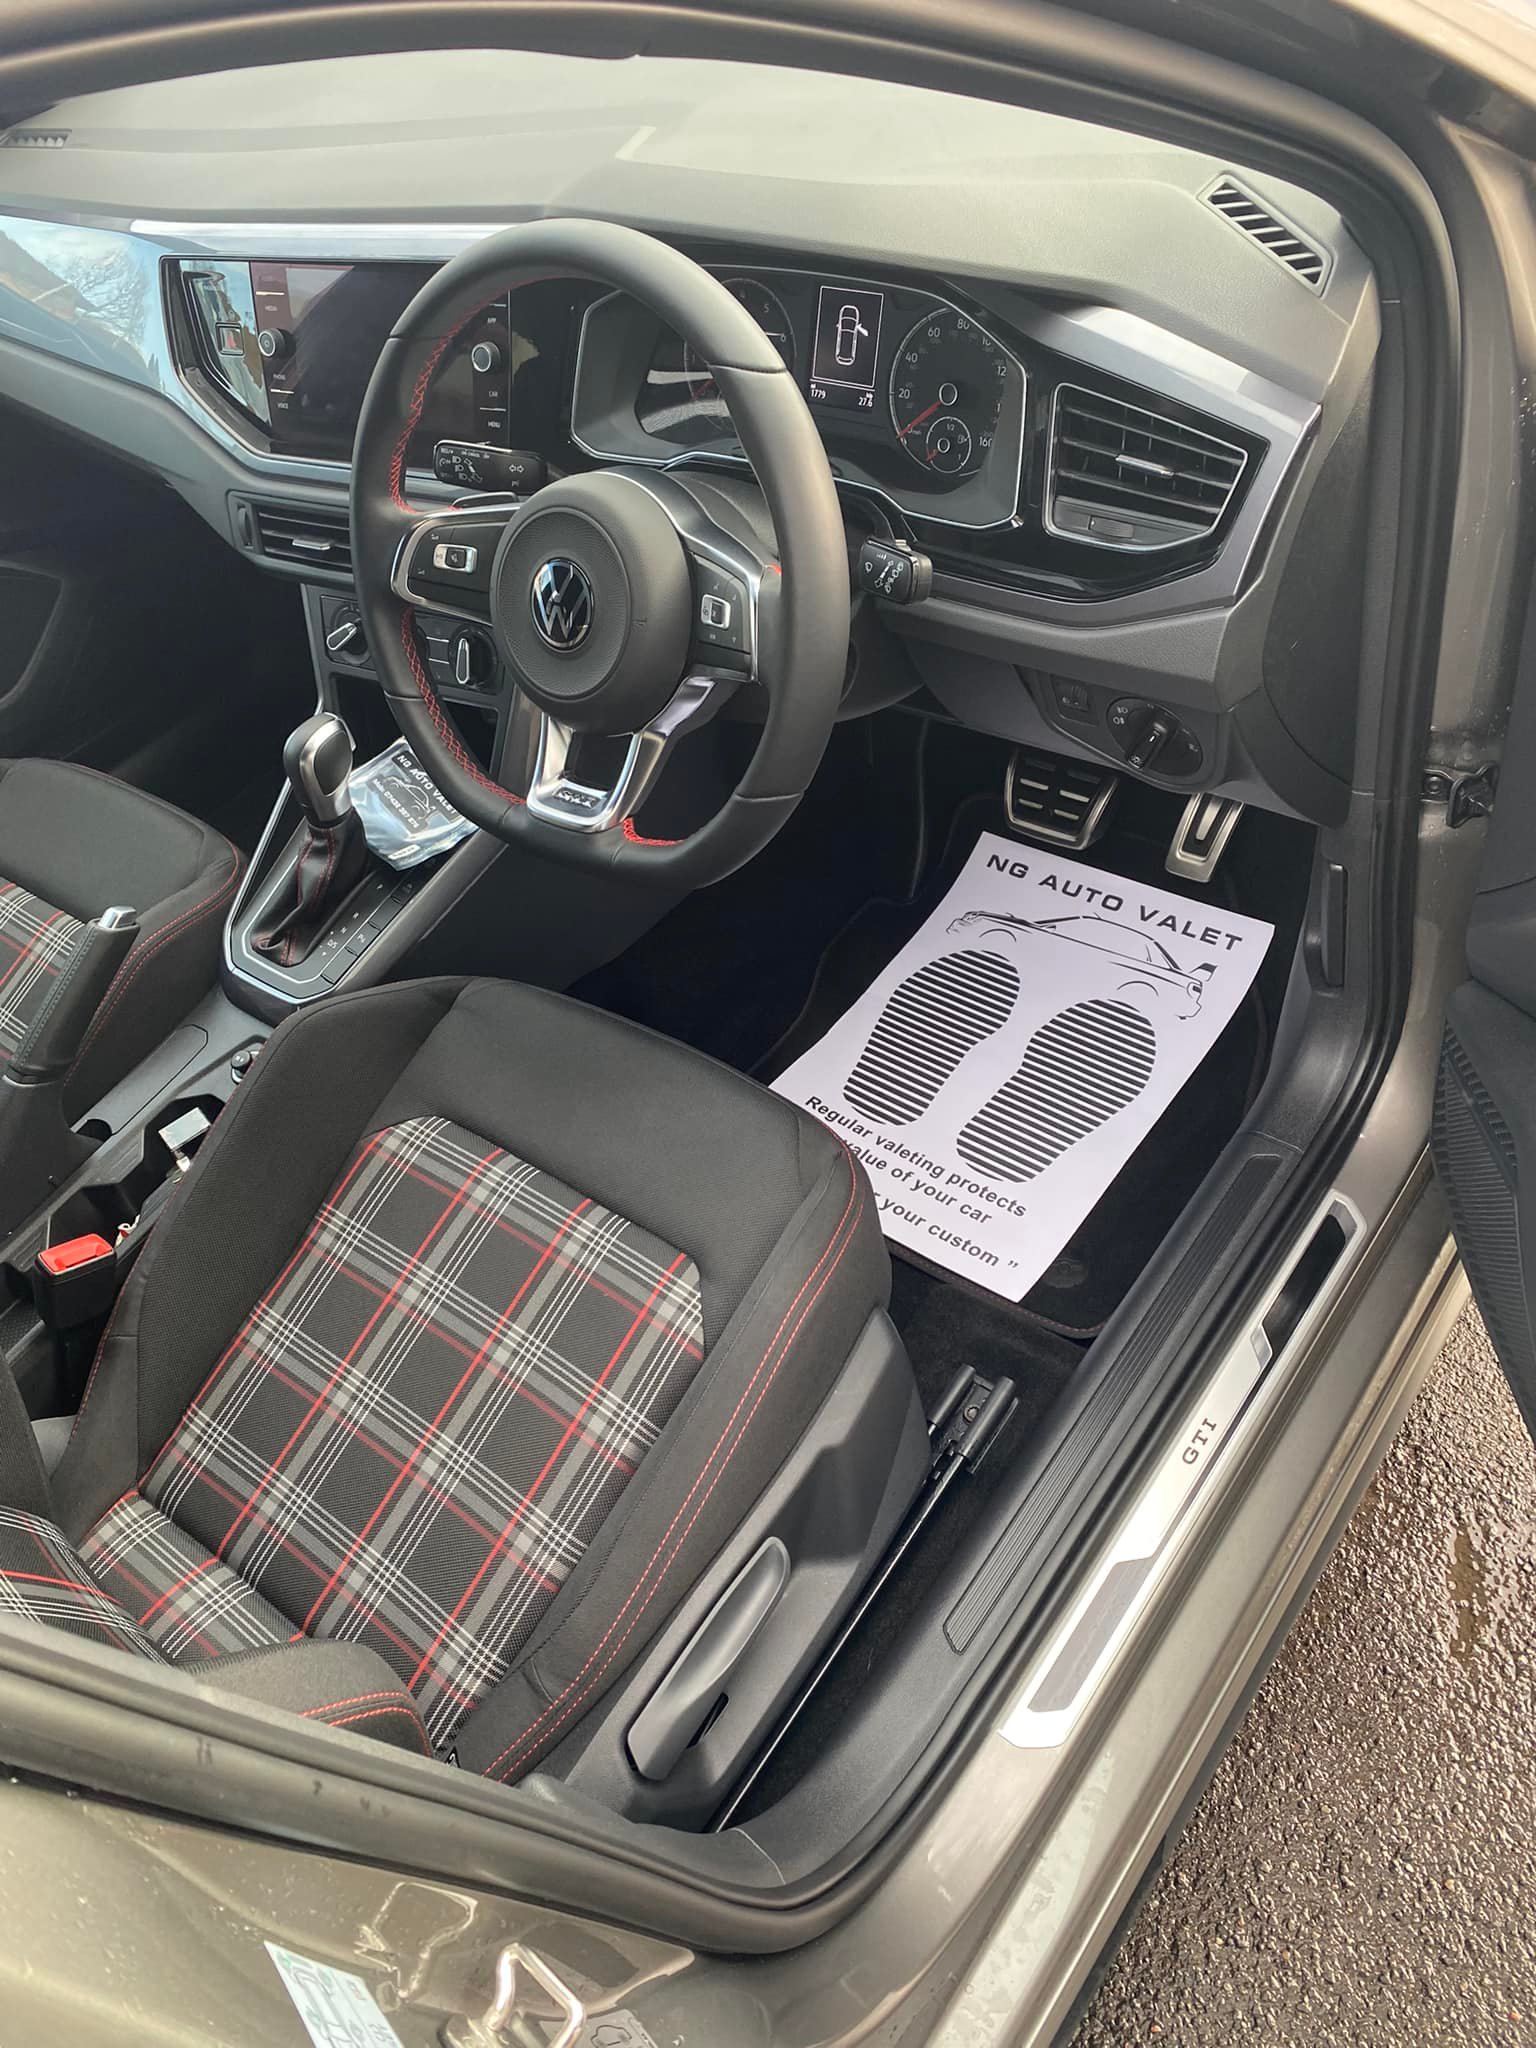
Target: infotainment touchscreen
[(320, 327)]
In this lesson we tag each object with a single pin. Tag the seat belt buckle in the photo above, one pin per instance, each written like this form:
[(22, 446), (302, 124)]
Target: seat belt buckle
[(74, 1282)]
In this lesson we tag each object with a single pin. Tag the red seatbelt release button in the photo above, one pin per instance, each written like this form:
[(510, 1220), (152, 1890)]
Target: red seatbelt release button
[(74, 1282), (73, 1252)]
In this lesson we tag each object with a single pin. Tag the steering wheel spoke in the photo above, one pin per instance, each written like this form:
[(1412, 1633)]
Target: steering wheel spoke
[(558, 797), (443, 563)]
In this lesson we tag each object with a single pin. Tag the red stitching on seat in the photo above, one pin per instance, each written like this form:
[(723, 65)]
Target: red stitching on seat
[(373, 1714), (513, 1754), (358, 1699)]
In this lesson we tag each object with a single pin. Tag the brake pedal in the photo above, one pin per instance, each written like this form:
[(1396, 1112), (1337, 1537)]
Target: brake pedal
[(1059, 802), (1201, 835)]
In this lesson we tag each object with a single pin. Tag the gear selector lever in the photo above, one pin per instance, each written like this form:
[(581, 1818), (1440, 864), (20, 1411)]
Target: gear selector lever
[(331, 856), (317, 761)]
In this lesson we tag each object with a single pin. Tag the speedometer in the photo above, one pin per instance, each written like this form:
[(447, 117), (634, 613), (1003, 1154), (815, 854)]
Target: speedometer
[(947, 388)]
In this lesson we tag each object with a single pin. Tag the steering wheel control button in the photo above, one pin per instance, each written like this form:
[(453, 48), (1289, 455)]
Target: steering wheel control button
[(722, 619), (450, 562), (892, 570), (475, 467), (455, 556)]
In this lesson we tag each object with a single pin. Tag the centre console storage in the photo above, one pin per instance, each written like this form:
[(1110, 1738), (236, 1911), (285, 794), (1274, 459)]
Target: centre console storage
[(136, 1145)]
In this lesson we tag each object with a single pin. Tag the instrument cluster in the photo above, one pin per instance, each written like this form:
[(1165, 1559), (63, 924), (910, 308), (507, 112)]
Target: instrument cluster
[(915, 398)]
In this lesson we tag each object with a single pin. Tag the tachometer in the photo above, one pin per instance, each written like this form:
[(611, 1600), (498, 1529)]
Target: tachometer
[(947, 387), (768, 311)]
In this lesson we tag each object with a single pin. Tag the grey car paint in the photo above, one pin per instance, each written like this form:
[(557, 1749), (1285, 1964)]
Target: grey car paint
[(1005, 1889)]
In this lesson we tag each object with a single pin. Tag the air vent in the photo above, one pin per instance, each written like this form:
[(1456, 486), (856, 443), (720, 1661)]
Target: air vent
[(1120, 476), (34, 138), (1264, 226), (320, 540)]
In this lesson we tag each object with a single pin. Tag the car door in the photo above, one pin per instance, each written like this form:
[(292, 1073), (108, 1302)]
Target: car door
[(1485, 1097)]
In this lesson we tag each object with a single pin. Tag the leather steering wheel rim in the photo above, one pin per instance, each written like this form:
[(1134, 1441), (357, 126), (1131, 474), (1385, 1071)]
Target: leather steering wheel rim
[(802, 625)]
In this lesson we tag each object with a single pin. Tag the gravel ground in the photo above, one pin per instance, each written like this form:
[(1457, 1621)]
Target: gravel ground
[(1362, 1868)]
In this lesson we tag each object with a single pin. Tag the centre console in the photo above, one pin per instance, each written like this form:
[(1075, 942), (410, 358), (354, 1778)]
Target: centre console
[(388, 912)]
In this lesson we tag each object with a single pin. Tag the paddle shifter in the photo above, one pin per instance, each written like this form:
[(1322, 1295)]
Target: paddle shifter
[(331, 854)]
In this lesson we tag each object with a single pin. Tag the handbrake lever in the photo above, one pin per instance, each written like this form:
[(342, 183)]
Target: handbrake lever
[(52, 1043)]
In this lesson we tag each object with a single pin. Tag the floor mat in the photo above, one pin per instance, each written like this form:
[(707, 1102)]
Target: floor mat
[(1000, 1072)]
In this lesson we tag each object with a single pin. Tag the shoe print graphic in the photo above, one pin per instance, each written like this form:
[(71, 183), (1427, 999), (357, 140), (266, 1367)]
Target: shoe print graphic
[(930, 1022), (1080, 1068)]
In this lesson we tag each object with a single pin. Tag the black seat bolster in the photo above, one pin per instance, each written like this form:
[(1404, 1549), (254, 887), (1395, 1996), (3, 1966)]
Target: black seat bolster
[(84, 842), (345, 1685)]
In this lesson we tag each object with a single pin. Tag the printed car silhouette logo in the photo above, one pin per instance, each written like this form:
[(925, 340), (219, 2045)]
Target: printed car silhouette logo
[(849, 328), (562, 602), (1137, 965)]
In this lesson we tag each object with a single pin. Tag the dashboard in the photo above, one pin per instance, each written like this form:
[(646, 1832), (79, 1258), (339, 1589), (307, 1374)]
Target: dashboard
[(1003, 456), (1118, 394)]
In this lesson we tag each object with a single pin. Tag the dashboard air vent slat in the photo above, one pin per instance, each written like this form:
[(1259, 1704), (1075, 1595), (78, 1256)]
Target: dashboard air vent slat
[(320, 540), (1122, 476), (34, 138), (1263, 225)]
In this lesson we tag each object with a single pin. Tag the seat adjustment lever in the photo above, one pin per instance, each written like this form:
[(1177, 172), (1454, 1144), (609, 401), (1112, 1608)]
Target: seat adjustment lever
[(685, 1699)]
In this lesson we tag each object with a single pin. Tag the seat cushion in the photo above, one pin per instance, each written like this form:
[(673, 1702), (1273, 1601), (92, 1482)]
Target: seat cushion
[(541, 1302), (45, 1579), (417, 1432), (72, 844)]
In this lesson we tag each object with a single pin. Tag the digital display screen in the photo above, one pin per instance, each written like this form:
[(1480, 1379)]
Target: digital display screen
[(320, 329), (846, 347)]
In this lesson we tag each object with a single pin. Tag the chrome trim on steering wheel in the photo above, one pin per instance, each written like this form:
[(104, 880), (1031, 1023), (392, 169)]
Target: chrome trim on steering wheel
[(482, 509), (578, 807)]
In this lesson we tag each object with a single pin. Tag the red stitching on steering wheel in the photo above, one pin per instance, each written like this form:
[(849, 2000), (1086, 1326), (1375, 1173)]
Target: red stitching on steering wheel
[(447, 731), (419, 396)]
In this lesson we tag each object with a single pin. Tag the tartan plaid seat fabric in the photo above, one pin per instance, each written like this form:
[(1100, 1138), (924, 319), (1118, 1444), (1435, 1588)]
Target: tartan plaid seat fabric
[(480, 1323), (420, 1427), (44, 1579), (183, 1600), (36, 940)]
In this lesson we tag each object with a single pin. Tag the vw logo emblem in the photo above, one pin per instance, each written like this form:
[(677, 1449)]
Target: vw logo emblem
[(562, 603)]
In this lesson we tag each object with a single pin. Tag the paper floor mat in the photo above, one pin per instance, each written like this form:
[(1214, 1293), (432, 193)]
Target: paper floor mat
[(1001, 1071)]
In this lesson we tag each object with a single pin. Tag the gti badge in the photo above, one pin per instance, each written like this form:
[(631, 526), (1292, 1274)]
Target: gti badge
[(562, 604)]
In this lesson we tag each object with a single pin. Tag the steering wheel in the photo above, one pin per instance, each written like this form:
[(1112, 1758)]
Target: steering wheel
[(624, 600)]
